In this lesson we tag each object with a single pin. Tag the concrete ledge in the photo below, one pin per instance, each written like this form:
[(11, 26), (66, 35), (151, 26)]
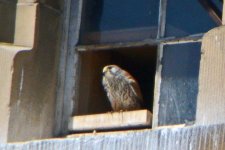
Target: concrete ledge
[(173, 138)]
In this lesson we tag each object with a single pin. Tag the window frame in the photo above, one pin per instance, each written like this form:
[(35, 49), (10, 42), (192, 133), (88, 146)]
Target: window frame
[(68, 74)]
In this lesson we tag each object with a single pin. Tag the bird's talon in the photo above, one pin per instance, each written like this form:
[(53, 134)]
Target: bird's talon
[(110, 112), (94, 132)]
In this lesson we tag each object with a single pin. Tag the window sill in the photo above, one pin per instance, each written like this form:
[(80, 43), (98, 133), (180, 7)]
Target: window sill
[(111, 120)]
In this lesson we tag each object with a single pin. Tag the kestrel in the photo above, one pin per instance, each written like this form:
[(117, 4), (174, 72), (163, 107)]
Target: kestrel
[(122, 89)]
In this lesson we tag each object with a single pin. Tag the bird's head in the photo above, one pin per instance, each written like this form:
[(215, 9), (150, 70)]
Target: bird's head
[(111, 71)]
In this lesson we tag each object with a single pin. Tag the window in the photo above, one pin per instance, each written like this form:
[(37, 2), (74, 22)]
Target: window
[(179, 60), (159, 37)]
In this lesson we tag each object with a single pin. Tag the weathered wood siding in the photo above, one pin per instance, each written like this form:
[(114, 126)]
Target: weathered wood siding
[(188, 138)]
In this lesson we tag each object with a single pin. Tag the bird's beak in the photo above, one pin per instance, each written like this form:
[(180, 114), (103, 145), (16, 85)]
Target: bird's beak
[(104, 70)]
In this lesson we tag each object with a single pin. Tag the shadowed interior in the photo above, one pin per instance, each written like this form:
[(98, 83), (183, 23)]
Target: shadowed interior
[(139, 61)]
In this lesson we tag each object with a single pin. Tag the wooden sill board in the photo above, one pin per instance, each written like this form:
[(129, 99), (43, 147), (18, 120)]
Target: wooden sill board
[(114, 120)]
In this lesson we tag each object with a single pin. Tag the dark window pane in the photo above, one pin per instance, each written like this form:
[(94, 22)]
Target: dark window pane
[(106, 21), (185, 17), (179, 86)]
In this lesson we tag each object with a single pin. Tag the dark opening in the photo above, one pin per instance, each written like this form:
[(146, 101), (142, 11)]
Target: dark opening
[(139, 61)]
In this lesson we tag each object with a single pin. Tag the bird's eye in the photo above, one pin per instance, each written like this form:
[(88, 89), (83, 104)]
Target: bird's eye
[(113, 70)]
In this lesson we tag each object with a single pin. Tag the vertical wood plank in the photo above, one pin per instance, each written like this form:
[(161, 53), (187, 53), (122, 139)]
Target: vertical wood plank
[(157, 86), (161, 33), (211, 96)]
